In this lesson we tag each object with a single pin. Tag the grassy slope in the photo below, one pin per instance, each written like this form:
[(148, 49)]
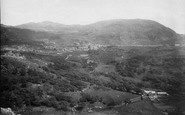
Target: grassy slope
[(64, 76)]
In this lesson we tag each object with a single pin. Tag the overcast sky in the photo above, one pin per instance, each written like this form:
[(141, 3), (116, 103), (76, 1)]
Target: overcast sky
[(170, 13)]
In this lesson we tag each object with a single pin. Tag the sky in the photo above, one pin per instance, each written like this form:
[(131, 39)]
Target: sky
[(170, 13)]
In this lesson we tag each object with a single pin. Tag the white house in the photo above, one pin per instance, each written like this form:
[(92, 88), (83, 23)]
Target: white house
[(162, 93), (177, 44), (148, 91)]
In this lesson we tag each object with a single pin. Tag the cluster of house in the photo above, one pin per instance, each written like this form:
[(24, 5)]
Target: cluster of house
[(52, 46), (82, 47), (48, 44), (153, 94), (23, 48), (13, 55)]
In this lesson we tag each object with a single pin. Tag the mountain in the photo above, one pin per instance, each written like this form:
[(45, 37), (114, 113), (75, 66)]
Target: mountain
[(48, 66), (47, 26), (16, 36), (111, 32), (181, 39), (131, 32)]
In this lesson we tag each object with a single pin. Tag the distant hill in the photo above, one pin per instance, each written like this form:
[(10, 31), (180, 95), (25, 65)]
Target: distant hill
[(181, 39), (111, 32), (48, 26), (131, 32), (16, 36)]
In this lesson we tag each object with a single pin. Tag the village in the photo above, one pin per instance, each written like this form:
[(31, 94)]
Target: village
[(51, 48)]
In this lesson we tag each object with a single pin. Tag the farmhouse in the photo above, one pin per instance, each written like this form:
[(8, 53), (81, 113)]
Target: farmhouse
[(148, 91), (85, 56), (154, 94), (162, 93), (177, 44)]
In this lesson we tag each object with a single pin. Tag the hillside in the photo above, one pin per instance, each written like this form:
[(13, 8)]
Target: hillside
[(105, 62), (48, 27), (15, 36), (131, 32), (111, 32), (181, 39)]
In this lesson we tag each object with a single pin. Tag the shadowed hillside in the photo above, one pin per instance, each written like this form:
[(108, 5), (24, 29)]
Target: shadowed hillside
[(15, 36)]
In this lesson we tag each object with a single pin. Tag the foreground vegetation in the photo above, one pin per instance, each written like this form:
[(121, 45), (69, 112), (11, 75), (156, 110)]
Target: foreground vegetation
[(63, 84), (75, 69)]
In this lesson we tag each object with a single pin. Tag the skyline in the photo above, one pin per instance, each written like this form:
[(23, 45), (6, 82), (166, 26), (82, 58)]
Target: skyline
[(170, 13)]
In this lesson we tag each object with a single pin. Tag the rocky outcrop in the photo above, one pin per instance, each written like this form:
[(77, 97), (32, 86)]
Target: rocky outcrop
[(7, 111)]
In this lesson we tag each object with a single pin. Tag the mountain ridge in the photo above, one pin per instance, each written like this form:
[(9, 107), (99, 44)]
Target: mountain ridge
[(109, 32)]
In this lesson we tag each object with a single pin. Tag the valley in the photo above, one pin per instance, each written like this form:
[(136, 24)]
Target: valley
[(92, 71)]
